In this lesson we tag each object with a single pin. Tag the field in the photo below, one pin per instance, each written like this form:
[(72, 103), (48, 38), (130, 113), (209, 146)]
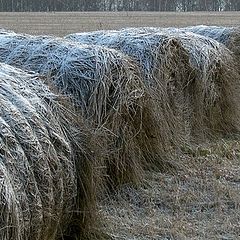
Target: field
[(201, 199), (64, 23), (200, 202)]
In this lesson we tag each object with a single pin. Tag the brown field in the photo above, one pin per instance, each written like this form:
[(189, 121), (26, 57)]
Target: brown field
[(201, 200), (62, 23)]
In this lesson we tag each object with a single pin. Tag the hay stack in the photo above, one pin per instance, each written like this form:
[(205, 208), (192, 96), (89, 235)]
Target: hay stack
[(161, 59), (46, 166), (224, 35), (211, 88), (104, 85), (214, 91), (229, 36)]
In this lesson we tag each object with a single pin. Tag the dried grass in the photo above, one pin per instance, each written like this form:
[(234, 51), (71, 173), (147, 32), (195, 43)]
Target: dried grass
[(210, 89), (47, 164), (229, 36), (104, 84), (201, 202), (214, 91), (161, 59)]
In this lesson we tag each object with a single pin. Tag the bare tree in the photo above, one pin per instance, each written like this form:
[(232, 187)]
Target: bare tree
[(119, 5)]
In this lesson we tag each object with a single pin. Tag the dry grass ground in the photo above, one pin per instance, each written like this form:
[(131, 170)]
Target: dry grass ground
[(62, 23), (201, 202)]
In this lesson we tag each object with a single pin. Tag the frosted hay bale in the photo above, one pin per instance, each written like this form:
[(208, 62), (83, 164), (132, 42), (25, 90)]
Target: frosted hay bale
[(229, 36), (161, 60), (211, 89), (215, 89), (42, 147), (224, 35), (103, 83)]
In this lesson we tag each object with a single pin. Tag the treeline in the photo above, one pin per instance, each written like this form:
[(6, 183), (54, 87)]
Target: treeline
[(119, 5)]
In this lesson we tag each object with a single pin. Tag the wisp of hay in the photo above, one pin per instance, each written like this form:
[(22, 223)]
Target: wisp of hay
[(161, 59), (214, 89), (104, 84), (46, 162)]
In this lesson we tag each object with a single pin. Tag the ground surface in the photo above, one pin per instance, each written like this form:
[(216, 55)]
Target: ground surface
[(201, 201), (65, 23)]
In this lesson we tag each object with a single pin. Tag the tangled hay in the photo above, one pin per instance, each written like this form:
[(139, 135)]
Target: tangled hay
[(224, 35), (161, 59), (210, 86), (104, 84), (229, 36), (46, 166), (214, 91)]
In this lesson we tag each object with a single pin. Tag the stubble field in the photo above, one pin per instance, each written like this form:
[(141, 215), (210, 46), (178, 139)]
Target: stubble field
[(62, 23), (199, 201)]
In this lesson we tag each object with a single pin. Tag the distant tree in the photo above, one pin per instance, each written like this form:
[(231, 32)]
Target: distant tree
[(120, 5)]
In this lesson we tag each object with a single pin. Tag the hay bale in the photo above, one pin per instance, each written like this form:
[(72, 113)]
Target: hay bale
[(210, 89), (103, 84), (224, 35), (161, 59), (229, 36), (216, 86), (43, 146), (214, 89)]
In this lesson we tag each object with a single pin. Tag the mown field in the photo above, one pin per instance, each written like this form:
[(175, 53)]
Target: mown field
[(65, 23), (201, 199)]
